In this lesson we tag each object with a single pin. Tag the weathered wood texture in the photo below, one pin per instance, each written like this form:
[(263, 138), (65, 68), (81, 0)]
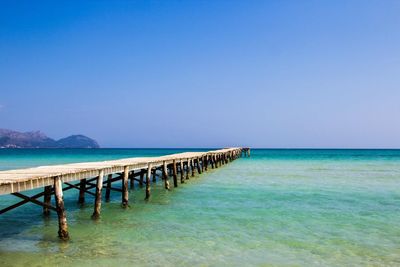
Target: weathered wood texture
[(91, 174), (97, 201), (125, 193), (62, 216), (25, 179)]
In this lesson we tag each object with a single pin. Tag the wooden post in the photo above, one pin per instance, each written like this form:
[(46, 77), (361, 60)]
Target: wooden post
[(192, 167), (205, 161), (212, 161), (202, 163), (82, 188), (142, 171), (97, 201), (108, 188), (62, 216), (215, 161), (125, 193), (132, 179), (165, 176), (198, 166), (148, 181), (174, 174), (154, 175), (187, 169), (47, 200), (182, 172), (169, 168)]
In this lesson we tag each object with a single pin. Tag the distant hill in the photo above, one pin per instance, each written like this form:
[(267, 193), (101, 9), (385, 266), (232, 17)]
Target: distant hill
[(37, 139)]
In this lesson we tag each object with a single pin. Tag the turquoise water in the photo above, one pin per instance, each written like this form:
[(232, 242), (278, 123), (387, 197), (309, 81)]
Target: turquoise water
[(277, 208)]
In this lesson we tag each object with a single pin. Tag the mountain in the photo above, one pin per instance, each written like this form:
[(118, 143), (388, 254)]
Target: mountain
[(77, 141), (37, 139)]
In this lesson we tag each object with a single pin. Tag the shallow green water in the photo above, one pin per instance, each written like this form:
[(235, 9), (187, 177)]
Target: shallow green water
[(279, 207)]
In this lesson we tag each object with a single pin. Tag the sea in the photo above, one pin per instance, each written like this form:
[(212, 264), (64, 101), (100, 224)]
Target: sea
[(279, 207)]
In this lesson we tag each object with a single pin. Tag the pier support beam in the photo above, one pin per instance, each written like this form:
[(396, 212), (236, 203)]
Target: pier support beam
[(97, 201), (165, 176), (182, 172), (47, 200), (82, 189), (154, 171), (142, 172), (187, 169), (125, 193), (174, 174), (192, 167), (132, 179), (62, 216), (148, 182), (108, 188), (215, 161), (198, 165)]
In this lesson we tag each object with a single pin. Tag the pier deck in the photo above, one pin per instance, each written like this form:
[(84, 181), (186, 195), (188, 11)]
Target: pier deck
[(90, 175)]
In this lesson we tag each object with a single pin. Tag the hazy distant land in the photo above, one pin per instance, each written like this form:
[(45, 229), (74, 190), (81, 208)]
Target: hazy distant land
[(37, 139)]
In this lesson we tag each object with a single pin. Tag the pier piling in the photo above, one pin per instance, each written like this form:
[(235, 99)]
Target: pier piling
[(61, 214), (174, 174), (182, 172), (165, 175), (148, 182), (82, 190), (125, 192), (132, 180), (90, 175), (97, 201), (108, 187), (47, 200), (192, 167), (198, 165)]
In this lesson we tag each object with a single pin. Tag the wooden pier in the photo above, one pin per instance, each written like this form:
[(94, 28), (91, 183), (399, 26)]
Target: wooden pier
[(56, 179)]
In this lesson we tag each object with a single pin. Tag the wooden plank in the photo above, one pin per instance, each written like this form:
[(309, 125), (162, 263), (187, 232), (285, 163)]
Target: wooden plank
[(37, 177)]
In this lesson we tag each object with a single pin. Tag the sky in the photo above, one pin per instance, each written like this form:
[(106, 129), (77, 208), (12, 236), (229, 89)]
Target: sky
[(271, 74)]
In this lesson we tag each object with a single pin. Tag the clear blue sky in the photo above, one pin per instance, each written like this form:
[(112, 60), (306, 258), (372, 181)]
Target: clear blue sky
[(203, 73)]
